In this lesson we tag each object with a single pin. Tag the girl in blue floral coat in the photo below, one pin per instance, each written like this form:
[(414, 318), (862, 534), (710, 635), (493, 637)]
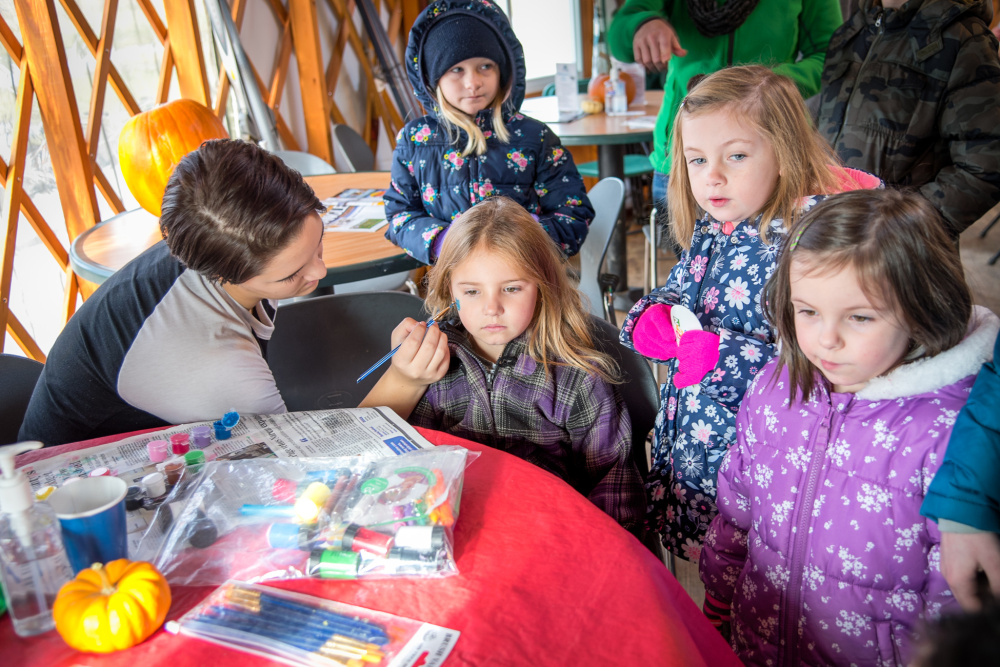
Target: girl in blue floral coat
[(467, 67), (745, 163)]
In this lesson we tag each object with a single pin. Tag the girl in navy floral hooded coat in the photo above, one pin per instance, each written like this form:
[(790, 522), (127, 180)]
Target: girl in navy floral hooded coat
[(467, 68), (746, 162)]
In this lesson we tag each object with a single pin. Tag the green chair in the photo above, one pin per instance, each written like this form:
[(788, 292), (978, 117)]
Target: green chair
[(635, 166)]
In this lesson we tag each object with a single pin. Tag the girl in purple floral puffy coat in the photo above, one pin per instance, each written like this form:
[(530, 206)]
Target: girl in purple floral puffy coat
[(819, 554)]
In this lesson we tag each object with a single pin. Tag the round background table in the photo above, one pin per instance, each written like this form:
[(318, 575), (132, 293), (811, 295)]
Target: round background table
[(349, 256), (610, 134)]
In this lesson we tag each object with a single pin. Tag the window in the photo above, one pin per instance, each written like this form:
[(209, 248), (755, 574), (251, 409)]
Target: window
[(550, 33)]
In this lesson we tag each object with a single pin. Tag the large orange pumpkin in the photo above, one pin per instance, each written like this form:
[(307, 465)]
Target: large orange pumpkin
[(595, 89), (153, 142), (111, 607)]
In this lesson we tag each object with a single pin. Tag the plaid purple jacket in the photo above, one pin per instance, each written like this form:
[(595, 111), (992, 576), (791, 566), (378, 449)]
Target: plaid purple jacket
[(572, 423)]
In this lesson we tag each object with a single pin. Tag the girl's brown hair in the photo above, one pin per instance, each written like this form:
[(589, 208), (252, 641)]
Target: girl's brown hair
[(904, 260), (771, 105), (560, 328), (451, 117)]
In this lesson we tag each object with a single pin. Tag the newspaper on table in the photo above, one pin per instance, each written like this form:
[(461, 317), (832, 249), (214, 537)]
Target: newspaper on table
[(354, 210), (369, 433)]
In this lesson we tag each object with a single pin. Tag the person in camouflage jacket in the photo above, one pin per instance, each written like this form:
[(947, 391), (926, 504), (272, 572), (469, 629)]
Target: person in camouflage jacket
[(911, 93)]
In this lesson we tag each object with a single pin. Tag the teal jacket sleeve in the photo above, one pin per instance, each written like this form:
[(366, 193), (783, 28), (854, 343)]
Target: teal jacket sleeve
[(967, 487), (817, 22), (627, 20)]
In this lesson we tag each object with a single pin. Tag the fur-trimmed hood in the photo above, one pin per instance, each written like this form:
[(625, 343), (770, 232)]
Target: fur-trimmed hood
[(490, 14), (927, 375)]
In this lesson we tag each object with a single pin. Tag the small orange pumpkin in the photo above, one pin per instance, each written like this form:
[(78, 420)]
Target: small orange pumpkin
[(595, 89), (111, 607), (153, 142)]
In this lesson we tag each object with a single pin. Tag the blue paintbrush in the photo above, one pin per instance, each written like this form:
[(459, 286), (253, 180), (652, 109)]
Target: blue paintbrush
[(393, 351)]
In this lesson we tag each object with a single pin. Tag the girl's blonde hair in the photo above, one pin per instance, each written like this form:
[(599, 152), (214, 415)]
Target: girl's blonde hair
[(452, 118), (905, 262), (771, 105), (560, 327)]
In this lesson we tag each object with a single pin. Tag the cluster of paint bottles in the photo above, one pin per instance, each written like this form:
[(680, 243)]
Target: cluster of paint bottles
[(175, 457), (345, 550), (313, 517)]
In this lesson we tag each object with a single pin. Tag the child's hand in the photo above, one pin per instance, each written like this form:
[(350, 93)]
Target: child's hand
[(423, 355), (697, 354), (962, 556), (653, 335)]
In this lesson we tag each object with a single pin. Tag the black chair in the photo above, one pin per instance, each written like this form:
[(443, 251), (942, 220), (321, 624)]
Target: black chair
[(639, 390), (18, 376), (642, 397), (321, 346)]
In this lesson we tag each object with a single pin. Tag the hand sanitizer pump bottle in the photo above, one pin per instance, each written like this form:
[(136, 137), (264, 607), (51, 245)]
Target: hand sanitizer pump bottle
[(615, 98), (33, 562)]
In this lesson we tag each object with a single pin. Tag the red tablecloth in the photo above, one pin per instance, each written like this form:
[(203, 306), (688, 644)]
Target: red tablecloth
[(545, 579)]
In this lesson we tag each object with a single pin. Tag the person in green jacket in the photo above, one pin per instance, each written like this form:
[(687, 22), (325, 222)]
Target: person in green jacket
[(692, 37)]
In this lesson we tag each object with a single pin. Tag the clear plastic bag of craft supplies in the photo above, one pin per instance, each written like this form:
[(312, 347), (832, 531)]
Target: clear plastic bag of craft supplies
[(300, 629), (329, 518)]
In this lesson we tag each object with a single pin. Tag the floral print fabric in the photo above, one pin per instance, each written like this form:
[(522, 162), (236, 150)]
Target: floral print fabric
[(433, 183), (819, 545), (721, 279)]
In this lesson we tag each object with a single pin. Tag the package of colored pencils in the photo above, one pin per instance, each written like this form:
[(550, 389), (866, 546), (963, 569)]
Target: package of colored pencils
[(300, 629), (326, 518)]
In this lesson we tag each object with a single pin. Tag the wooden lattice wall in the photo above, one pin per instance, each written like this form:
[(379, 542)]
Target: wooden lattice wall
[(45, 80)]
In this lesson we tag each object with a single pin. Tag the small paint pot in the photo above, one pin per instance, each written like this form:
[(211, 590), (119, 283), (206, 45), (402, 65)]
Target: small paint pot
[(45, 491), (359, 538), (154, 484), (221, 432), (133, 498), (201, 437), (99, 472), (420, 538), (159, 450), (195, 460), (173, 470), (333, 564), (180, 443)]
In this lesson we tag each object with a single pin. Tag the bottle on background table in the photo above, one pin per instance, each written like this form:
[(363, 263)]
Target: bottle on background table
[(615, 95)]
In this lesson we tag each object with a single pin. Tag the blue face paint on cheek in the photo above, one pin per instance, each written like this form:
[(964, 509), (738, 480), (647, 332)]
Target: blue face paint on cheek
[(457, 305)]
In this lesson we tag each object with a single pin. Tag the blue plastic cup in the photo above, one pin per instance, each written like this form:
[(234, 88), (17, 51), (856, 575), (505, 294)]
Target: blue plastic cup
[(92, 516)]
